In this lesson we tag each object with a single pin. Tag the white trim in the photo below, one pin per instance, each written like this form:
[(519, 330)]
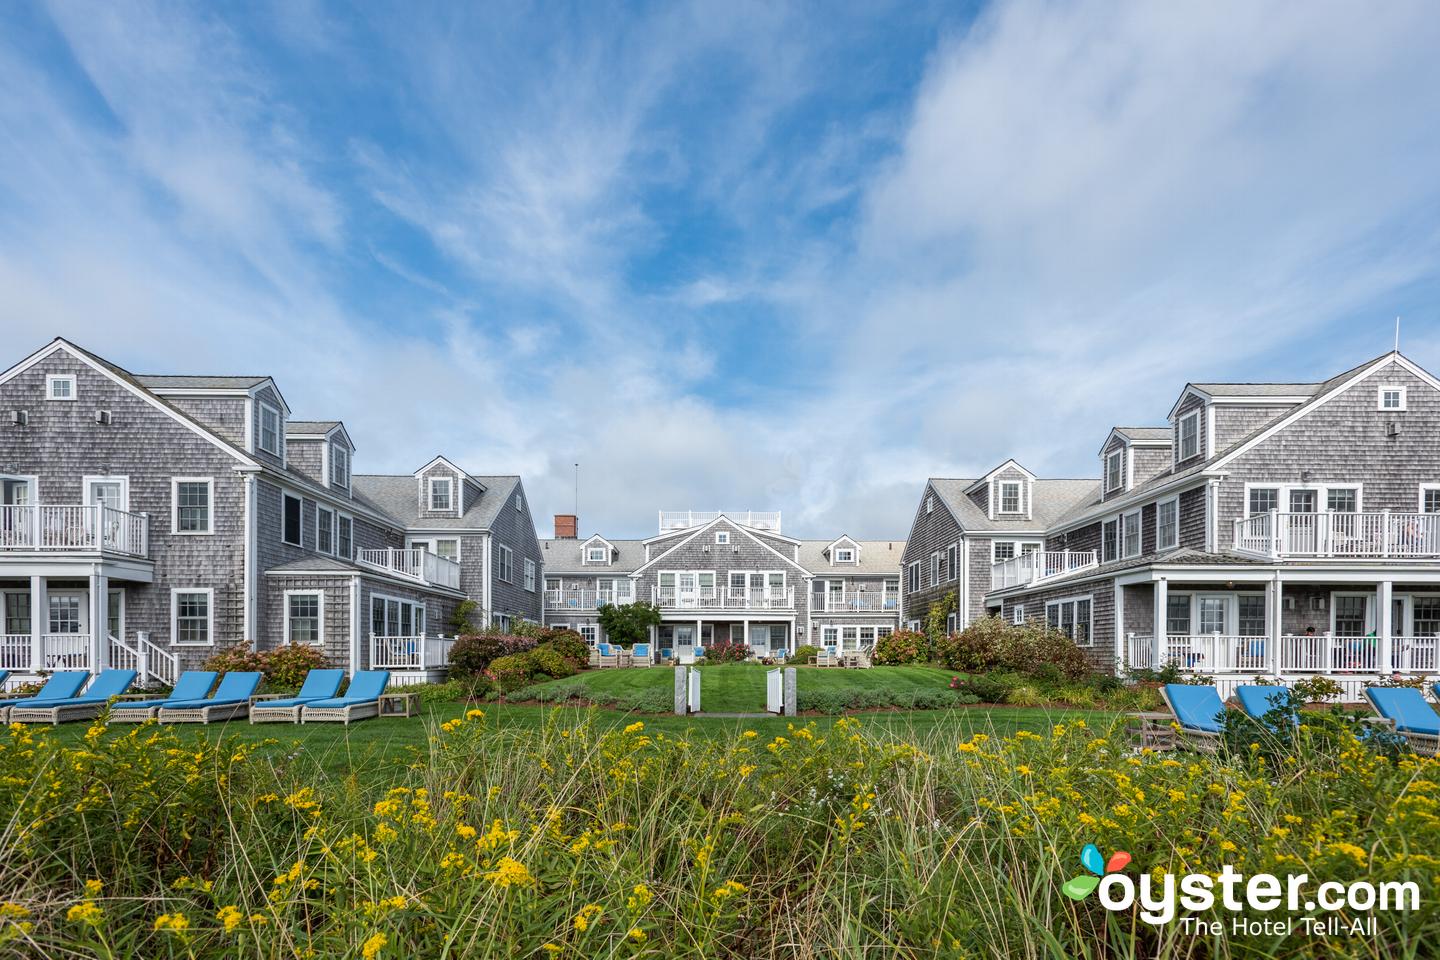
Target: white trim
[(1138, 514), (697, 531), (1020, 545), (440, 459), (1017, 613), (300, 525), (334, 529), (320, 615), (120, 478), (1180, 455), (279, 451), (1370, 604), (250, 560), (175, 616), (1385, 388), (431, 544), (333, 448), (1420, 496), (1175, 544), (722, 538), (531, 575), (53, 378), (982, 481), (1076, 598), (430, 483), (1000, 486), (586, 547), (1321, 489), (499, 575), (175, 506), (1120, 483)]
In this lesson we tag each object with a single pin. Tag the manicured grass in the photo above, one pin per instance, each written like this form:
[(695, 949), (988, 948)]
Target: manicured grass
[(740, 687)]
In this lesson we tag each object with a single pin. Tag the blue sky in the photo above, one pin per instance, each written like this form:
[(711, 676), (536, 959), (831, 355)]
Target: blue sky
[(765, 256)]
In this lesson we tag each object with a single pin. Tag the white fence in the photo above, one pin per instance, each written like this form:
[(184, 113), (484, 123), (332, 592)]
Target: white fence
[(73, 527), (410, 653), (668, 598), (1217, 653), (584, 599), (685, 519), (1378, 535)]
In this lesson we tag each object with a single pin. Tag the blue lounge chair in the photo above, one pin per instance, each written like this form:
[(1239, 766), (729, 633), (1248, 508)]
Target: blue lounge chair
[(1198, 710), (666, 653), (699, 652), (1412, 717), (86, 706), (60, 686), (1258, 701), (318, 685), (640, 655), (192, 685), (231, 699), (361, 700)]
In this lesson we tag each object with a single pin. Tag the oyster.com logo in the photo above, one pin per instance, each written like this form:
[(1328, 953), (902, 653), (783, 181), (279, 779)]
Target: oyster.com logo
[(1078, 888)]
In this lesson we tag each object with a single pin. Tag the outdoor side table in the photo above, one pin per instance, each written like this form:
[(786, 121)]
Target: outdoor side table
[(399, 704)]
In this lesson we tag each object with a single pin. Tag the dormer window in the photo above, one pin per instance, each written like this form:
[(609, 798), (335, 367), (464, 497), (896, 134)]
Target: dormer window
[(1010, 496), (441, 494), (60, 386), (844, 554), (270, 430), (1392, 398), (339, 466), (1114, 466), (722, 537), (1188, 429), (595, 554)]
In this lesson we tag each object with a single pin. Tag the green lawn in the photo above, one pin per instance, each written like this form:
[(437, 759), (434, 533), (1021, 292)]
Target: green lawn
[(383, 747), (740, 687)]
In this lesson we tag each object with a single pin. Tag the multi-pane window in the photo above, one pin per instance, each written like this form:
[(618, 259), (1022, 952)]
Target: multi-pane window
[(1250, 620), (1263, 500), (60, 386), (1167, 524), (396, 618), (345, 537), (17, 614), (950, 560), (1002, 549), (1303, 501), (1350, 616), (64, 614), (1392, 398), (1114, 464), (914, 577), (1072, 618), (590, 633), (1213, 614), (1341, 499), (844, 555), (1177, 614), (449, 548), (1426, 616), (505, 563), (192, 506), (1131, 531), (1017, 613), (1430, 500), (935, 568), (595, 554), (722, 537), (1110, 540), (324, 530), (339, 466), (1010, 496), (529, 574), (269, 429), (290, 519), (1189, 429), (192, 616), (302, 618), (440, 498)]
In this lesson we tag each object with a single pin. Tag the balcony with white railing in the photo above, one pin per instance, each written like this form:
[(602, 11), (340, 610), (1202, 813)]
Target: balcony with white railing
[(410, 653), (855, 602), (685, 519), (581, 600), (1372, 536), (713, 599), (1039, 565), (73, 528), (414, 564), (1298, 654)]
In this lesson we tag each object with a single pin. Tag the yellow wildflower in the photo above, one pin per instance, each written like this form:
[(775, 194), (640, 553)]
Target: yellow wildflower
[(510, 873), (636, 935), (231, 917), (587, 913), (176, 923), (86, 913), (474, 714), (727, 890), (372, 947)]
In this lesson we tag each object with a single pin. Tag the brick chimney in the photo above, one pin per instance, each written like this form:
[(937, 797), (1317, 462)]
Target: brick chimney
[(566, 526)]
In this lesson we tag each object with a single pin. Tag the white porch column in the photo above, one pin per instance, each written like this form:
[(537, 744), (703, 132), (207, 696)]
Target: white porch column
[(744, 631), (99, 622), (699, 634), (1383, 591), (1162, 601), (1275, 594), (1120, 651), (39, 622)]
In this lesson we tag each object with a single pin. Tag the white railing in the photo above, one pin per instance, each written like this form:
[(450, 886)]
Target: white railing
[(584, 599), (1415, 654), (65, 651), (1217, 653), (1039, 565), (413, 563), (60, 527), (668, 598), (1374, 535), (149, 661), (685, 519), (858, 602), (410, 653), (16, 651), (1326, 654)]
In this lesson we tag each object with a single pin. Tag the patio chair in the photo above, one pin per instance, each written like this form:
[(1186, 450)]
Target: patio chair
[(1405, 709), (827, 657), (192, 685), (318, 685), (666, 654), (640, 656), (230, 700), (1196, 708), (1257, 701), (60, 686), (361, 700), (87, 706)]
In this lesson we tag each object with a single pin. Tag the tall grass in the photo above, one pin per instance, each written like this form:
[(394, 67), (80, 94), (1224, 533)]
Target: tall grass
[(570, 840)]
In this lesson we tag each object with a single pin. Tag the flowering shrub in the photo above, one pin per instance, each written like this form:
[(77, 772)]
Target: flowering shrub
[(727, 652), (580, 839), (284, 667), (902, 646), (991, 643), (472, 655)]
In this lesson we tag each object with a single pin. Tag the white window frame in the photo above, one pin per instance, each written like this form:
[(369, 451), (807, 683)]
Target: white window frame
[(1115, 463), (912, 581), (1180, 455), (1119, 538), (339, 463), (1387, 388), (432, 545), (952, 559), (299, 526), (844, 554), (589, 632), (1090, 630), (1017, 613), (504, 557), (1279, 489), (935, 569), (930, 504), (722, 538), (1126, 553), (604, 555), (339, 519), (1020, 546), (121, 479), (1420, 497), (1019, 486), (1174, 542), (529, 574), (329, 549), (416, 607), (319, 595), (175, 593), (209, 483), (279, 449), (1321, 490), (430, 483), (66, 378)]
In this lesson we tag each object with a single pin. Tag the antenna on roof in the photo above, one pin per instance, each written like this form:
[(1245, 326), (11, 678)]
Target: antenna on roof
[(1397, 334), (577, 489)]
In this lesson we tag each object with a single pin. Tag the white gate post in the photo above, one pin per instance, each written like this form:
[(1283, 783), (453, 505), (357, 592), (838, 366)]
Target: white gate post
[(790, 691), (694, 691), (682, 689)]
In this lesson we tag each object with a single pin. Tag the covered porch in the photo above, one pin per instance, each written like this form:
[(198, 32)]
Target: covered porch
[(1353, 627), (686, 638)]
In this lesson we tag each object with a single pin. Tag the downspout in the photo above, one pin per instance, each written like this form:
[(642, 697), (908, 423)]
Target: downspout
[(354, 624), (250, 587)]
